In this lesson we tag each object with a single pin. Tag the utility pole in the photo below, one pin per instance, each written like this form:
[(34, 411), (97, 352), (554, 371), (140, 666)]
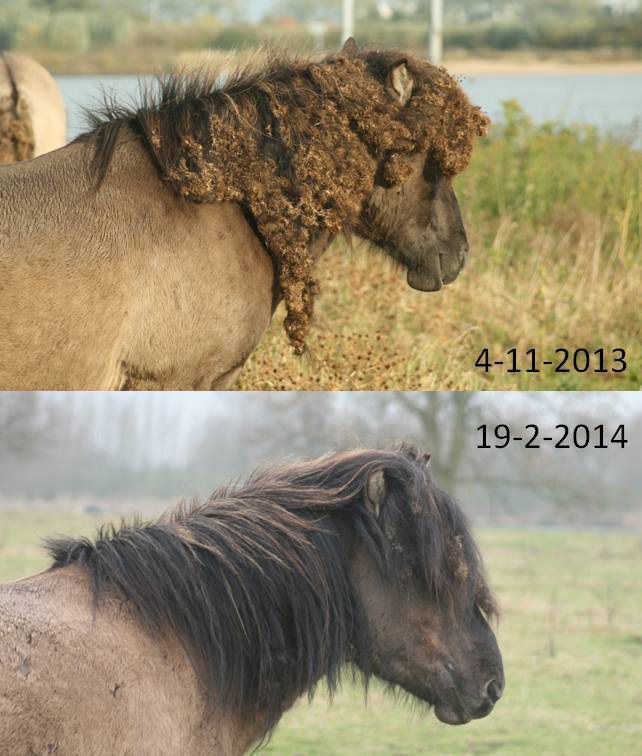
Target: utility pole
[(347, 27), (436, 31), (152, 10)]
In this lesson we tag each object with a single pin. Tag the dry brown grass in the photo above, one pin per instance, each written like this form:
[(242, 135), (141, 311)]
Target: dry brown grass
[(372, 332)]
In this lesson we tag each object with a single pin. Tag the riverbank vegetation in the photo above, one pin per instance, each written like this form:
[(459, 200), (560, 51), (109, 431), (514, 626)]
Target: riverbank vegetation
[(142, 36)]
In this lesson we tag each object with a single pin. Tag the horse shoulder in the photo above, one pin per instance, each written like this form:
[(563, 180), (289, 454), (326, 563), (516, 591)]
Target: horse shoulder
[(143, 289), (211, 300), (61, 296), (64, 663), (203, 293)]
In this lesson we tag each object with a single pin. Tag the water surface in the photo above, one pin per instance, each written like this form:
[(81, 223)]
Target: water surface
[(612, 102)]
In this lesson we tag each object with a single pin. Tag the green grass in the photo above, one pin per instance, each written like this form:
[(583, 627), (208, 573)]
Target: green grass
[(571, 636)]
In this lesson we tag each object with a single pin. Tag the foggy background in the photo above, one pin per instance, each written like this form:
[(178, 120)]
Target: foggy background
[(89, 452)]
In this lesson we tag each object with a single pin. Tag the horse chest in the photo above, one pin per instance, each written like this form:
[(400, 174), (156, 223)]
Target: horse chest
[(193, 333)]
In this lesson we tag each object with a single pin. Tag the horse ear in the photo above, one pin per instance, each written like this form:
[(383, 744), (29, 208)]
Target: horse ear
[(350, 48), (426, 459), (375, 492), (400, 82)]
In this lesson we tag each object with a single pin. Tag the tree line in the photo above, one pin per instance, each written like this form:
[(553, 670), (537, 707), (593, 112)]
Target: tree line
[(109, 446), (77, 26)]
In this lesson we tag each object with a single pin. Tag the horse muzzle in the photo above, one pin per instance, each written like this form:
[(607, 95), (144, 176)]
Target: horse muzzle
[(441, 270), (424, 281), (454, 710)]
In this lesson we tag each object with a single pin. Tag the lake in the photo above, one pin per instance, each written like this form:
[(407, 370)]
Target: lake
[(613, 102)]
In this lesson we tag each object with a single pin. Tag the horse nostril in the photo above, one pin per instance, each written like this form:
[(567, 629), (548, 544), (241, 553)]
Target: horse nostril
[(493, 691)]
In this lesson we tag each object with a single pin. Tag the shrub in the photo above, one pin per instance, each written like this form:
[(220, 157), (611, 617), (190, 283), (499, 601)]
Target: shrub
[(542, 174), (107, 29), (69, 31), (21, 27), (508, 37), (235, 37), (8, 29)]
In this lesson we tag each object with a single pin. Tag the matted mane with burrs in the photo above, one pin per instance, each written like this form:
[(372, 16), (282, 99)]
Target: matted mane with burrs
[(299, 143)]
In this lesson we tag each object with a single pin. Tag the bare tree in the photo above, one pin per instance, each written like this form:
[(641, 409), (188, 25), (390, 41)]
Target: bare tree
[(444, 420), (24, 422)]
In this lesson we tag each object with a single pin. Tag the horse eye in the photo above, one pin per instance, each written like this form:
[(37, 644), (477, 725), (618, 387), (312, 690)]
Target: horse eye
[(431, 171)]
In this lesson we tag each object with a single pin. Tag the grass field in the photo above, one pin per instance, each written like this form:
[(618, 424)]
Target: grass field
[(570, 635), (555, 223)]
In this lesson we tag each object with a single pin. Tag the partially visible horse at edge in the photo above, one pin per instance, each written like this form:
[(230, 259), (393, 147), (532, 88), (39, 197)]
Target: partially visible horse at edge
[(33, 120), (150, 253), (195, 633)]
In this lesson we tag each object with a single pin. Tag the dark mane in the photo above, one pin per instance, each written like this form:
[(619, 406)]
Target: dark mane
[(256, 581), (299, 144)]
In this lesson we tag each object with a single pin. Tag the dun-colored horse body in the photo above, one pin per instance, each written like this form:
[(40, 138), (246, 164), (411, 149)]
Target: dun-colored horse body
[(151, 252), (127, 287)]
